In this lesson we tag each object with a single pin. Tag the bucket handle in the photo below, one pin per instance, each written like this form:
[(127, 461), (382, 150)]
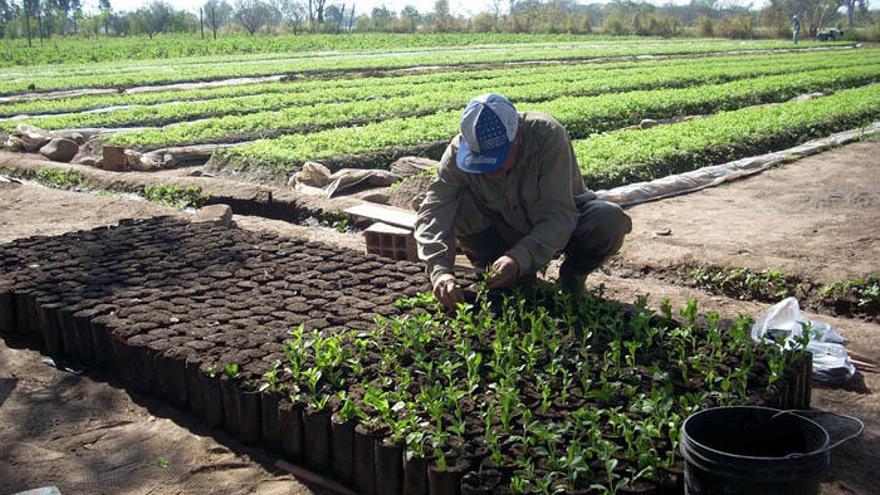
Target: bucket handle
[(860, 427)]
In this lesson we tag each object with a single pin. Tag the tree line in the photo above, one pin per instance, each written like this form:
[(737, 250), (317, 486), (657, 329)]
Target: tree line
[(43, 19)]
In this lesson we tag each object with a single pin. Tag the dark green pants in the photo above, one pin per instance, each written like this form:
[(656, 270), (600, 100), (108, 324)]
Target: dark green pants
[(598, 234)]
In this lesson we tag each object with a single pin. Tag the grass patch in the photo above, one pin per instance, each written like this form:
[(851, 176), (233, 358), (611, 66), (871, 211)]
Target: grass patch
[(848, 297), (174, 196), (856, 296), (59, 179), (741, 283)]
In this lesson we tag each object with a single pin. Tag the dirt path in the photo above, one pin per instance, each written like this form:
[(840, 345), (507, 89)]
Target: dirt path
[(818, 217), (85, 434)]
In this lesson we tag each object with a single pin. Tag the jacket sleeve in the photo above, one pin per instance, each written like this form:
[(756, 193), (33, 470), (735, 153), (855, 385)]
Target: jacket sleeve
[(555, 215), (435, 226)]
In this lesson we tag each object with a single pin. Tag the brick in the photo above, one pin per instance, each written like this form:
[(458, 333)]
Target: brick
[(391, 242)]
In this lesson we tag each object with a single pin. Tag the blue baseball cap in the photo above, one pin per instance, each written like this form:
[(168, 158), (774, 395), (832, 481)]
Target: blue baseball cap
[(488, 129)]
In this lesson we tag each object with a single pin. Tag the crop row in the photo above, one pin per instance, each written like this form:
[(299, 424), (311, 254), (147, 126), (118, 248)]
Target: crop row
[(637, 45), (136, 74), (244, 115), (333, 90), (124, 66), (582, 116), (75, 50), (628, 156)]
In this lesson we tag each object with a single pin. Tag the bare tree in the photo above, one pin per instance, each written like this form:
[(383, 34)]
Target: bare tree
[(30, 8), (217, 14), (252, 14), (293, 12), (319, 10), (495, 6)]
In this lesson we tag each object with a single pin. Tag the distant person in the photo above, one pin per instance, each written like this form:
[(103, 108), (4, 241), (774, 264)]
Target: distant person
[(509, 190), (795, 28)]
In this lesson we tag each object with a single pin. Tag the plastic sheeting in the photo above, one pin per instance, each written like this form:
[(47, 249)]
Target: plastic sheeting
[(674, 185), (784, 323)]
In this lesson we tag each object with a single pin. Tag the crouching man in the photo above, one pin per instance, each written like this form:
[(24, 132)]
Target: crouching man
[(509, 190)]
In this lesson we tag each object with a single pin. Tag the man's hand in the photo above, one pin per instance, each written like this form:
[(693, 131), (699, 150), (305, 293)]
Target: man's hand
[(446, 291), (506, 273)]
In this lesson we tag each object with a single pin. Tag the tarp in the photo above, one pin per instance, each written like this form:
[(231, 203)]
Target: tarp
[(673, 185)]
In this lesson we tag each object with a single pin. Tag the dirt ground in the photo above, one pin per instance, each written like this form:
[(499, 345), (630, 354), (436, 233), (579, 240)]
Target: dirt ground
[(817, 217)]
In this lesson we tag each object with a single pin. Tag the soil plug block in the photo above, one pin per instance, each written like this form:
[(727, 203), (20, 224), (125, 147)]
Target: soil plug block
[(343, 445), (415, 475), (270, 426), (135, 367), (68, 332), (808, 383), (316, 426), (291, 419), (22, 314), (39, 324), (203, 393), (52, 338), (7, 311), (171, 376), (102, 341), (195, 394), (389, 468), (448, 481), (249, 416), (480, 482), (83, 329), (230, 398), (48, 316), (363, 478)]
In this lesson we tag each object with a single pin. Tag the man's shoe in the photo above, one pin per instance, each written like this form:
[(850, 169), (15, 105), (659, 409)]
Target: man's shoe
[(571, 284)]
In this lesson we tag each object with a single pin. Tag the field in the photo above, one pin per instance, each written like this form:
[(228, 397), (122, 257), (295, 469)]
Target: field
[(366, 107), (354, 370)]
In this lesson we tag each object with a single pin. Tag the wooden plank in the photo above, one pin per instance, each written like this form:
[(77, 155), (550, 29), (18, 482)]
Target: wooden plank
[(386, 214)]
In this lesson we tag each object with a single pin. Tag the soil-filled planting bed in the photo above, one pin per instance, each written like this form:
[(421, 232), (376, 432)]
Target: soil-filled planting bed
[(333, 359)]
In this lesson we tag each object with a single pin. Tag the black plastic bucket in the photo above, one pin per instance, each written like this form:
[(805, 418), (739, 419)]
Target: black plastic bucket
[(753, 451)]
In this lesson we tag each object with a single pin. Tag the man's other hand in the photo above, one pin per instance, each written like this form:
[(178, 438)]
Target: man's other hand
[(446, 291), (506, 273)]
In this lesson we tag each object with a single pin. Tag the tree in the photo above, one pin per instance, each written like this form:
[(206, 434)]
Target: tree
[(106, 11), (121, 24), (154, 18), (382, 17), (441, 14), (251, 14), (294, 13), (217, 14), (333, 15), (276, 17), (411, 18), (32, 8), (8, 12), (814, 13), (319, 10)]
